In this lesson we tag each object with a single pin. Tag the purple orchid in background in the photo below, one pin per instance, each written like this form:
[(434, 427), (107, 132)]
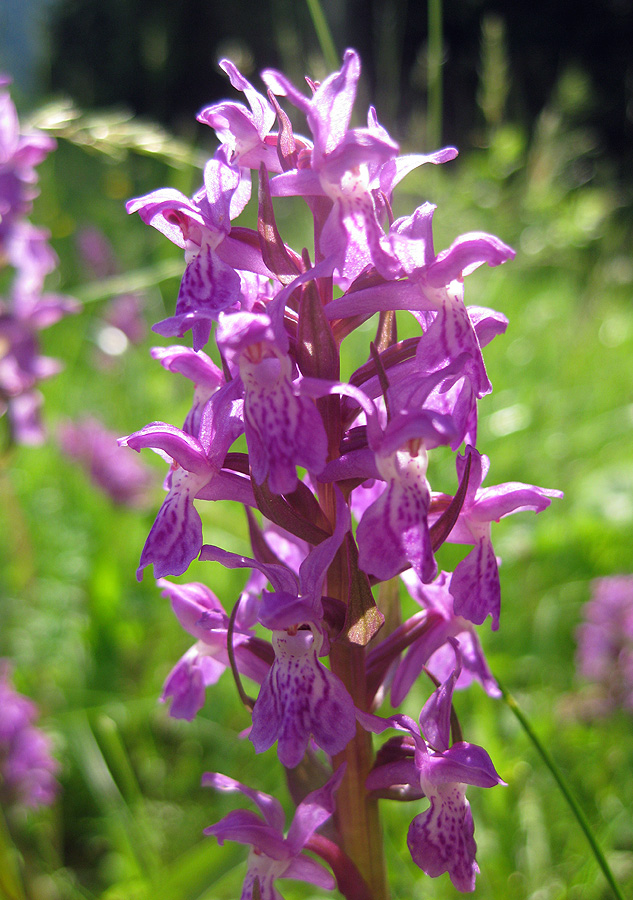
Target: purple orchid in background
[(313, 447), (118, 473), (27, 309), (272, 854), (19, 155), (124, 313), (27, 767), (605, 640)]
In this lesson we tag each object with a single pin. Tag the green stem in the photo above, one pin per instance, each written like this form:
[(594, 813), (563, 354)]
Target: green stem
[(324, 34), (434, 74), (564, 789)]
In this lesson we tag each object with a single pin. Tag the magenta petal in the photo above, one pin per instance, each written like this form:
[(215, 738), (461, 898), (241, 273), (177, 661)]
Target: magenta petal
[(467, 764), (228, 486), (314, 567), (393, 534), (435, 717), (175, 538), (155, 208), (299, 698), (416, 657), (313, 810), (193, 604), (475, 585), (487, 323), (281, 578), (283, 431), (442, 839), (304, 868), (198, 367), (465, 254), (245, 827), (270, 807), (185, 685), (185, 449), (494, 503), (390, 775)]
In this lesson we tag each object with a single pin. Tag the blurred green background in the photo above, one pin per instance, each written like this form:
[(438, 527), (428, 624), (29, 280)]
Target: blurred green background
[(538, 106)]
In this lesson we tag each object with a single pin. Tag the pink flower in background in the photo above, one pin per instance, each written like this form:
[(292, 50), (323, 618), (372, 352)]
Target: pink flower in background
[(27, 308), (116, 471), (605, 639), (27, 768)]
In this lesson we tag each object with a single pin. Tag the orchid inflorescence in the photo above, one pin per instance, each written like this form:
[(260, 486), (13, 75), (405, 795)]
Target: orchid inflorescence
[(25, 249), (362, 515), (27, 766)]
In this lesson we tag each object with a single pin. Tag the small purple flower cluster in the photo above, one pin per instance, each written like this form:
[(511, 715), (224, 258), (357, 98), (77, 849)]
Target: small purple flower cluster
[(113, 469), (605, 641), (363, 513), (27, 768), (25, 248)]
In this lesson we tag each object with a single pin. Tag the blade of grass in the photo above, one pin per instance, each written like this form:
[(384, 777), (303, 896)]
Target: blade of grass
[(434, 74), (137, 280), (101, 783), (10, 882), (564, 788), (323, 34)]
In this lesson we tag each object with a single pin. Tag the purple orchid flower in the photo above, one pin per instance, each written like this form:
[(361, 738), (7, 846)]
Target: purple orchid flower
[(200, 369), (393, 531), (283, 428), (201, 227), (433, 292), (28, 311), (385, 178), (605, 641), (475, 582), (201, 614), (341, 166), (272, 854), (432, 650), (19, 154), (245, 136), (442, 838), (299, 696), (176, 536)]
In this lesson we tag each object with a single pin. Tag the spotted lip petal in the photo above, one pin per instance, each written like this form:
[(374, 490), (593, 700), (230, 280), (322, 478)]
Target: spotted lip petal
[(300, 698)]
